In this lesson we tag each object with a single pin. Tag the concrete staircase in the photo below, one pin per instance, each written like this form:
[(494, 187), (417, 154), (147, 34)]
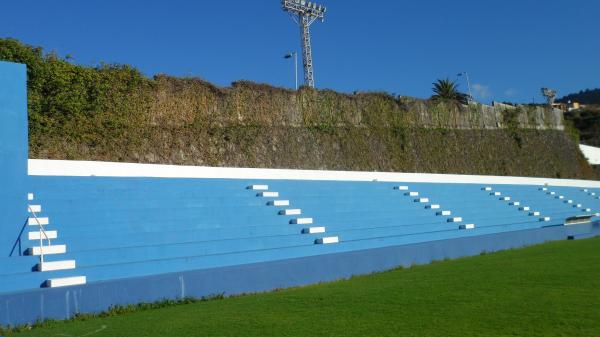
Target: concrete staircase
[(293, 212), (37, 233)]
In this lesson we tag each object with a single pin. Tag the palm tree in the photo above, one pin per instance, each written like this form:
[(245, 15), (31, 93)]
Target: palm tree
[(447, 90)]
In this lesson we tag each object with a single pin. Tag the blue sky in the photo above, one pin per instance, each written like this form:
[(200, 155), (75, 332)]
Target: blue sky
[(510, 48)]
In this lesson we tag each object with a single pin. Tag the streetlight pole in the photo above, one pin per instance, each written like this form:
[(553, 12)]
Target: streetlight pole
[(295, 55), (468, 85)]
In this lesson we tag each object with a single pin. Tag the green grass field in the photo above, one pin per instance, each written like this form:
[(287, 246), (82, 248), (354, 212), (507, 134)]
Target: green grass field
[(547, 290)]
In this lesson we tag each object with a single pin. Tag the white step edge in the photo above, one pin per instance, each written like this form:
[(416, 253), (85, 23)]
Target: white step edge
[(505, 198), (444, 213), (456, 219), (34, 208), (545, 219), (268, 194), (412, 194), (401, 188), (258, 187), (560, 197), (593, 194), (65, 281), (34, 222), (467, 226), (327, 240), (551, 193), (434, 206), (568, 201), (515, 203), (487, 189), (36, 235), (525, 208), (302, 221), (543, 189), (29, 196), (314, 230), (48, 250), (577, 206), (534, 214), (497, 194), (587, 210), (290, 212), (422, 200), (279, 203), (56, 265), (584, 190)]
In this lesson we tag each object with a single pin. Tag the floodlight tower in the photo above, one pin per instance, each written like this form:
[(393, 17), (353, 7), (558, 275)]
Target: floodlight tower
[(550, 95), (305, 13)]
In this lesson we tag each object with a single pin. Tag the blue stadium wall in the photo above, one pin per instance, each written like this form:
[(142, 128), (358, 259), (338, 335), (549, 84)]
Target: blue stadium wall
[(141, 233)]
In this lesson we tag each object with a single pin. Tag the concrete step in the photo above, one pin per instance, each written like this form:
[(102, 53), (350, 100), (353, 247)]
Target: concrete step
[(302, 221), (327, 240), (56, 265), (36, 235), (47, 250), (434, 206), (30, 196), (34, 209), (467, 226), (279, 203), (401, 188), (268, 194), (456, 219), (314, 230), (290, 212), (258, 187), (422, 200), (412, 194), (444, 213), (42, 221), (65, 282)]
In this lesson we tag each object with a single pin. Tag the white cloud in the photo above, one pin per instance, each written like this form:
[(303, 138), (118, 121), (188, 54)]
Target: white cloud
[(481, 91), (511, 92)]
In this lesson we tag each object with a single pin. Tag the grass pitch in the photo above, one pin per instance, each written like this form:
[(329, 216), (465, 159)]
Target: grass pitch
[(547, 290)]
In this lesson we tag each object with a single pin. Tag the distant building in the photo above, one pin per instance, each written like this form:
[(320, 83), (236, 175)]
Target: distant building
[(573, 106), (561, 106)]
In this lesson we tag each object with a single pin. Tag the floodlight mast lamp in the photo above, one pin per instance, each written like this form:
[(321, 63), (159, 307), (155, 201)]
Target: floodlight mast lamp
[(305, 13)]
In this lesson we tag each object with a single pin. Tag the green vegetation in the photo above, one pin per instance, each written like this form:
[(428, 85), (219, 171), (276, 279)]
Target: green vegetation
[(547, 290), (588, 96), (447, 90), (114, 113), (587, 122)]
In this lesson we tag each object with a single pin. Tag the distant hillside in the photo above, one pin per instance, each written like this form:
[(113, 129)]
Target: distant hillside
[(587, 121), (588, 96)]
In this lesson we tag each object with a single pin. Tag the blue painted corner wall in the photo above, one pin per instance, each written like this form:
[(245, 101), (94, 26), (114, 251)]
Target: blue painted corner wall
[(13, 153)]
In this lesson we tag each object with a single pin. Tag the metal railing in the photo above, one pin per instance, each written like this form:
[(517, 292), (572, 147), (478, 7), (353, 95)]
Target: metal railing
[(42, 235)]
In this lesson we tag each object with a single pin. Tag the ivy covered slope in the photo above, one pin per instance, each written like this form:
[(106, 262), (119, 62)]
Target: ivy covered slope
[(114, 113)]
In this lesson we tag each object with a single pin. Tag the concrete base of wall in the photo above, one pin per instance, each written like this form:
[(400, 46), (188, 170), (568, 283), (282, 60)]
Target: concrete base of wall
[(41, 304)]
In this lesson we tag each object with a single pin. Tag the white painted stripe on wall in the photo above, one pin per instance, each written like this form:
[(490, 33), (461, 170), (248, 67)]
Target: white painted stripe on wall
[(42, 167), (591, 153)]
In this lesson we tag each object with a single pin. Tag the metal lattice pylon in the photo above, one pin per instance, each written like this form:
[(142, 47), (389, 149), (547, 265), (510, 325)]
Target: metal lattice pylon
[(305, 13)]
